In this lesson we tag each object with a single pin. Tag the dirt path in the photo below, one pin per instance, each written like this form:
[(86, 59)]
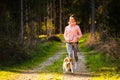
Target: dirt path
[(80, 74), (32, 73)]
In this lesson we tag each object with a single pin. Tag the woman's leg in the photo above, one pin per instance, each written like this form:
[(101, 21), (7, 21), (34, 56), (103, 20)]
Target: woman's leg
[(76, 52), (75, 55), (69, 50)]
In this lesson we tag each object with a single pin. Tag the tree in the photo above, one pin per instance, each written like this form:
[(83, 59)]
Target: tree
[(22, 31), (60, 16), (93, 18)]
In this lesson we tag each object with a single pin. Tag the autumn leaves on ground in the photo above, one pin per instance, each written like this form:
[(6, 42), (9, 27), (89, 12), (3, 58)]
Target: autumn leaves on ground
[(45, 63)]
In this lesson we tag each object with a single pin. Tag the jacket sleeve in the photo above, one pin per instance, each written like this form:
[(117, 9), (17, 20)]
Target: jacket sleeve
[(78, 36), (65, 34), (79, 33)]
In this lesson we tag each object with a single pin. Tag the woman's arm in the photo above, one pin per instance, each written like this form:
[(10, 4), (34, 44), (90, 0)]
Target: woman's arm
[(78, 36), (79, 32), (65, 34)]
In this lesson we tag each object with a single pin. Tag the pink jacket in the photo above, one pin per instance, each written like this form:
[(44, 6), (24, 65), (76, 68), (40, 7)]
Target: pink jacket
[(72, 33)]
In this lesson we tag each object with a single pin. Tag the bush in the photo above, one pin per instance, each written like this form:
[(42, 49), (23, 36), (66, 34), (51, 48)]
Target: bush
[(54, 38), (12, 52), (110, 47)]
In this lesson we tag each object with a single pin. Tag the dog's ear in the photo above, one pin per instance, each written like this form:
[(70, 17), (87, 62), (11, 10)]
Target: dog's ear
[(65, 60)]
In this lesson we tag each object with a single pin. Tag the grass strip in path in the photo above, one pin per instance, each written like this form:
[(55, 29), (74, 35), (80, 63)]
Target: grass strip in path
[(54, 71)]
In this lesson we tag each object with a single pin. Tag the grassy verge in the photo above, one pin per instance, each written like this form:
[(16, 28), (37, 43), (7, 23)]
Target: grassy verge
[(99, 63), (41, 53)]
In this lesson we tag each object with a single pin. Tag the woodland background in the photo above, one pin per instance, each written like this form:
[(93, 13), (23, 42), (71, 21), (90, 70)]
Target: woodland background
[(22, 22)]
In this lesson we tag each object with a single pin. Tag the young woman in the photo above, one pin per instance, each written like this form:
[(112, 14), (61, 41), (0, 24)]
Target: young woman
[(72, 34)]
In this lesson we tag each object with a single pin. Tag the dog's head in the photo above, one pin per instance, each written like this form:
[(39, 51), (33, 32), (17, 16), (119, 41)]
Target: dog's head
[(68, 60)]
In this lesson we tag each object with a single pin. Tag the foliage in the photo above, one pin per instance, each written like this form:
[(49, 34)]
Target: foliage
[(107, 17), (81, 10), (54, 38), (38, 55), (109, 46), (99, 62), (36, 12), (40, 11), (9, 18), (48, 28), (12, 52)]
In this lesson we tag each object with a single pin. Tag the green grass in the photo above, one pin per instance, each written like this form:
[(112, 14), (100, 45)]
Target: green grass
[(99, 63), (54, 71), (41, 53), (57, 65), (61, 36), (96, 62)]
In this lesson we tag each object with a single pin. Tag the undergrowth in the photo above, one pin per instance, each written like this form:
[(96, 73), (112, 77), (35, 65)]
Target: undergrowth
[(41, 52), (38, 55), (100, 63)]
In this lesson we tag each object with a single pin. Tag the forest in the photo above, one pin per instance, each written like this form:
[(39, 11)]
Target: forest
[(22, 22)]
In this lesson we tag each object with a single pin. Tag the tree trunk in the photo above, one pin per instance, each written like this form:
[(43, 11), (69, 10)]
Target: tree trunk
[(54, 14), (60, 17), (93, 18), (21, 36)]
